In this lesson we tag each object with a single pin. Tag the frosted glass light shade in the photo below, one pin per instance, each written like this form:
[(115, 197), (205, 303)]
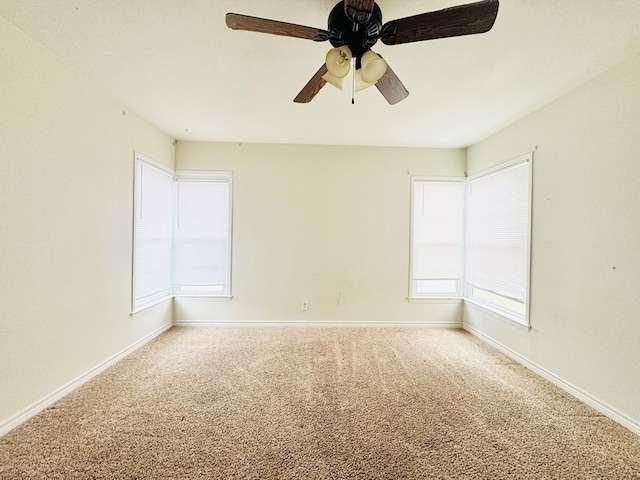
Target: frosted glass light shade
[(333, 80), (338, 61), (373, 66), (360, 83)]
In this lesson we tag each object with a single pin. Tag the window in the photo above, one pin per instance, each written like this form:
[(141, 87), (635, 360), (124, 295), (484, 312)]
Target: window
[(471, 239), (201, 241), (437, 231), (153, 208), (498, 238), (182, 234)]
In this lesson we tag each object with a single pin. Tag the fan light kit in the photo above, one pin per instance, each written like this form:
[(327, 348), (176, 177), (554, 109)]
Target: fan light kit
[(354, 26)]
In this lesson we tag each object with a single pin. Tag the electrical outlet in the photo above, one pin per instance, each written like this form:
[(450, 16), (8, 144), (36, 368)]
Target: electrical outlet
[(305, 306)]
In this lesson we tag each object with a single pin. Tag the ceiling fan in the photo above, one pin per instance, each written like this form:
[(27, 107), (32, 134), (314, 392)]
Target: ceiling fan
[(354, 26)]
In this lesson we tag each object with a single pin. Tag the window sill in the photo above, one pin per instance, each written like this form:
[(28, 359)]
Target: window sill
[(149, 306), (451, 300), (205, 298), (498, 314)]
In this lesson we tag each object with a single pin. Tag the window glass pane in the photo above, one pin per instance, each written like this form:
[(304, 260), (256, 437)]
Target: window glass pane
[(499, 301), (425, 287)]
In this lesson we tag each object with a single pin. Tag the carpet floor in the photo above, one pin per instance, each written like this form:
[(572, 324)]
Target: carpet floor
[(319, 403)]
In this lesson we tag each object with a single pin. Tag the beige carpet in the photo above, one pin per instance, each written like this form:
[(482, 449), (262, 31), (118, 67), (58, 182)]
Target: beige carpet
[(316, 403)]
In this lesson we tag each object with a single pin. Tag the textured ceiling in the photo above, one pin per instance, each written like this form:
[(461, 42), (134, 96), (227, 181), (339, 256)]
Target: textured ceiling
[(176, 64)]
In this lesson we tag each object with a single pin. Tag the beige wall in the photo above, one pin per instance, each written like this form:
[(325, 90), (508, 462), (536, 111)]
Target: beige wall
[(585, 274), (327, 225), (66, 193)]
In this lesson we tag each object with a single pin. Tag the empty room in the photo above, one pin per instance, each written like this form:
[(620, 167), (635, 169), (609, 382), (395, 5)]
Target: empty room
[(319, 239)]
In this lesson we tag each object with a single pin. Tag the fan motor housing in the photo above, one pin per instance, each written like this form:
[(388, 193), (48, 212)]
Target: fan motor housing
[(357, 36)]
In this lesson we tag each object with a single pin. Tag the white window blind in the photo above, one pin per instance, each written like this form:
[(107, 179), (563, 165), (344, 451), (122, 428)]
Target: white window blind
[(498, 237), (437, 237), (202, 235), (152, 233)]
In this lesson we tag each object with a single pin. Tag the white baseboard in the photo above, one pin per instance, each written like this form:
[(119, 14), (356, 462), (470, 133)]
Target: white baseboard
[(295, 323), (24, 415), (571, 389)]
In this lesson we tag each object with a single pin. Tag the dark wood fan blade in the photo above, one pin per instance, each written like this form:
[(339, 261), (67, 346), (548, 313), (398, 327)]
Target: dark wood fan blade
[(236, 21), (312, 88), (468, 19), (358, 11), (391, 87)]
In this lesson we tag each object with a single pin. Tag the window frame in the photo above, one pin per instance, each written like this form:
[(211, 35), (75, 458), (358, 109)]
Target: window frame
[(494, 307), (413, 295), (207, 177), (140, 162)]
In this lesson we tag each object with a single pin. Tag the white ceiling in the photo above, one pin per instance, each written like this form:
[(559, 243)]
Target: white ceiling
[(176, 64)]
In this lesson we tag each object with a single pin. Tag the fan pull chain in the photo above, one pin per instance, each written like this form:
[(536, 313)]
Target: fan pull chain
[(353, 83)]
